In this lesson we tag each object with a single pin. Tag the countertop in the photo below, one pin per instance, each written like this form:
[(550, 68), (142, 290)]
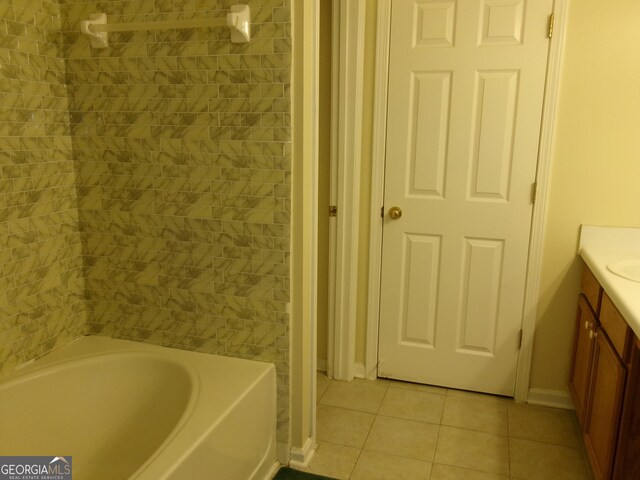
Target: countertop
[(601, 246)]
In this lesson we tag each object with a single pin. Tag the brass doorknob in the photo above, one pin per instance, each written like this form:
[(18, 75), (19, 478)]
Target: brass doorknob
[(395, 213)]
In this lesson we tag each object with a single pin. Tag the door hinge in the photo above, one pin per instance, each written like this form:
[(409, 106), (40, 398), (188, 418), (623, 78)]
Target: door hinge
[(382, 211), (550, 26), (333, 211), (534, 191), (520, 339)]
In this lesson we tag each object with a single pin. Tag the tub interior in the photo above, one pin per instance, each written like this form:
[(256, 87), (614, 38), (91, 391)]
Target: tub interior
[(123, 414)]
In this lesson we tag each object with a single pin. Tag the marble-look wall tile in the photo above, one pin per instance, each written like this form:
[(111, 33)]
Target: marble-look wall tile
[(41, 284), (182, 147)]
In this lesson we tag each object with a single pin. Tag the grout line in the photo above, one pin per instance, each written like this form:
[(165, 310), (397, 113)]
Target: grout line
[(382, 401), (330, 381), (358, 458), (369, 432), (435, 450), (509, 434)]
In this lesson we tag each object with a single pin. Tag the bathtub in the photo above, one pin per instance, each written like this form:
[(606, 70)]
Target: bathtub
[(126, 410)]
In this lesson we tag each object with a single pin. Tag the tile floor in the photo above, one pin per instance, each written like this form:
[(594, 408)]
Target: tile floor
[(394, 430)]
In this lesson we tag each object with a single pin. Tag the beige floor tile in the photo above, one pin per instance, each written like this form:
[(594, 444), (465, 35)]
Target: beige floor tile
[(485, 413), (481, 451), (385, 382), (362, 395), (335, 461), (447, 472), (403, 438), (413, 405), (550, 425), (322, 384), (343, 427), (454, 392), (379, 466), (417, 387), (543, 461)]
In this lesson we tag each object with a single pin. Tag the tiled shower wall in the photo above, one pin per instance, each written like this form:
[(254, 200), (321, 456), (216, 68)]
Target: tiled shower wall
[(41, 284), (182, 146)]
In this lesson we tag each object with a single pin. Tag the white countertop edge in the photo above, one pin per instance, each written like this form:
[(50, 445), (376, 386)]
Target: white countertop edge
[(625, 294), (601, 246)]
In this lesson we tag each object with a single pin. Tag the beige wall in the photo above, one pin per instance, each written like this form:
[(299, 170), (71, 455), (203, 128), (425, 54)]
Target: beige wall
[(595, 166), (324, 159), (594, 169), (365, 185)]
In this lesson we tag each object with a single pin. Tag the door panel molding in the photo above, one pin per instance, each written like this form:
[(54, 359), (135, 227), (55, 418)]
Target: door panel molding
[(539, 209)]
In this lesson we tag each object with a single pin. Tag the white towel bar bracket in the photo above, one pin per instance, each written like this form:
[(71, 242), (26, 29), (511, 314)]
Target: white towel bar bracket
[(238, 20)]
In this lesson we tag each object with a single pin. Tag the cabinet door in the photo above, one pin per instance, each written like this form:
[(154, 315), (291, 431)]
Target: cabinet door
[(628, 449), (603, 410), (582, 353)]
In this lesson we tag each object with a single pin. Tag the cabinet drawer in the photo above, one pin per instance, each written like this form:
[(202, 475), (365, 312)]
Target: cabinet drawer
[(591, 289), (616, 328)]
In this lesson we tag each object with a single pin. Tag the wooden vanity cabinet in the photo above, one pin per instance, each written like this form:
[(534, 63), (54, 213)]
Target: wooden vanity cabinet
[(582, 355), (627, 461), (604, 371), (600, 432)]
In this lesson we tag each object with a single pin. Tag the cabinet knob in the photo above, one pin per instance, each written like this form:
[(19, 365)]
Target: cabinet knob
[(586, 324), (592, 334)]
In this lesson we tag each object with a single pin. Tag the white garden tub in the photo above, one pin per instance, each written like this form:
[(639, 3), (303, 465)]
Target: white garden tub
[(126, 410)]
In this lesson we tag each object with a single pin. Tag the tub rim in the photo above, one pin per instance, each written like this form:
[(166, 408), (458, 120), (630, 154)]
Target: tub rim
[(33, 370)]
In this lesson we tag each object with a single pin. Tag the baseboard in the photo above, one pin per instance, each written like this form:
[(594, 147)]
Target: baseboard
[(272, 472), (301, 457), (321, 365), (550, 398), (358, 369)]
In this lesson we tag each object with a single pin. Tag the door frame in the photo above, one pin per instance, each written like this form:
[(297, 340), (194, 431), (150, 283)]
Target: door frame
[(545, 149), (346, 143), (304, 235)]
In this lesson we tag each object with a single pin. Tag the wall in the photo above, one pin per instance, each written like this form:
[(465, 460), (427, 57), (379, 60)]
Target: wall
[(365, 179), (182, 141), (365, 183), (41, 286), (324, 161), (595, 165)]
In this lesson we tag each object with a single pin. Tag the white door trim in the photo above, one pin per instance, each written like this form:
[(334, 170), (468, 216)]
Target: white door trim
[(304, 235), (348, 63), (545, 151), (312, 49), (539, 209), (383, 32)]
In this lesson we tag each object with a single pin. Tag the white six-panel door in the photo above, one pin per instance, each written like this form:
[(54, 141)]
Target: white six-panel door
[(466, 84)]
